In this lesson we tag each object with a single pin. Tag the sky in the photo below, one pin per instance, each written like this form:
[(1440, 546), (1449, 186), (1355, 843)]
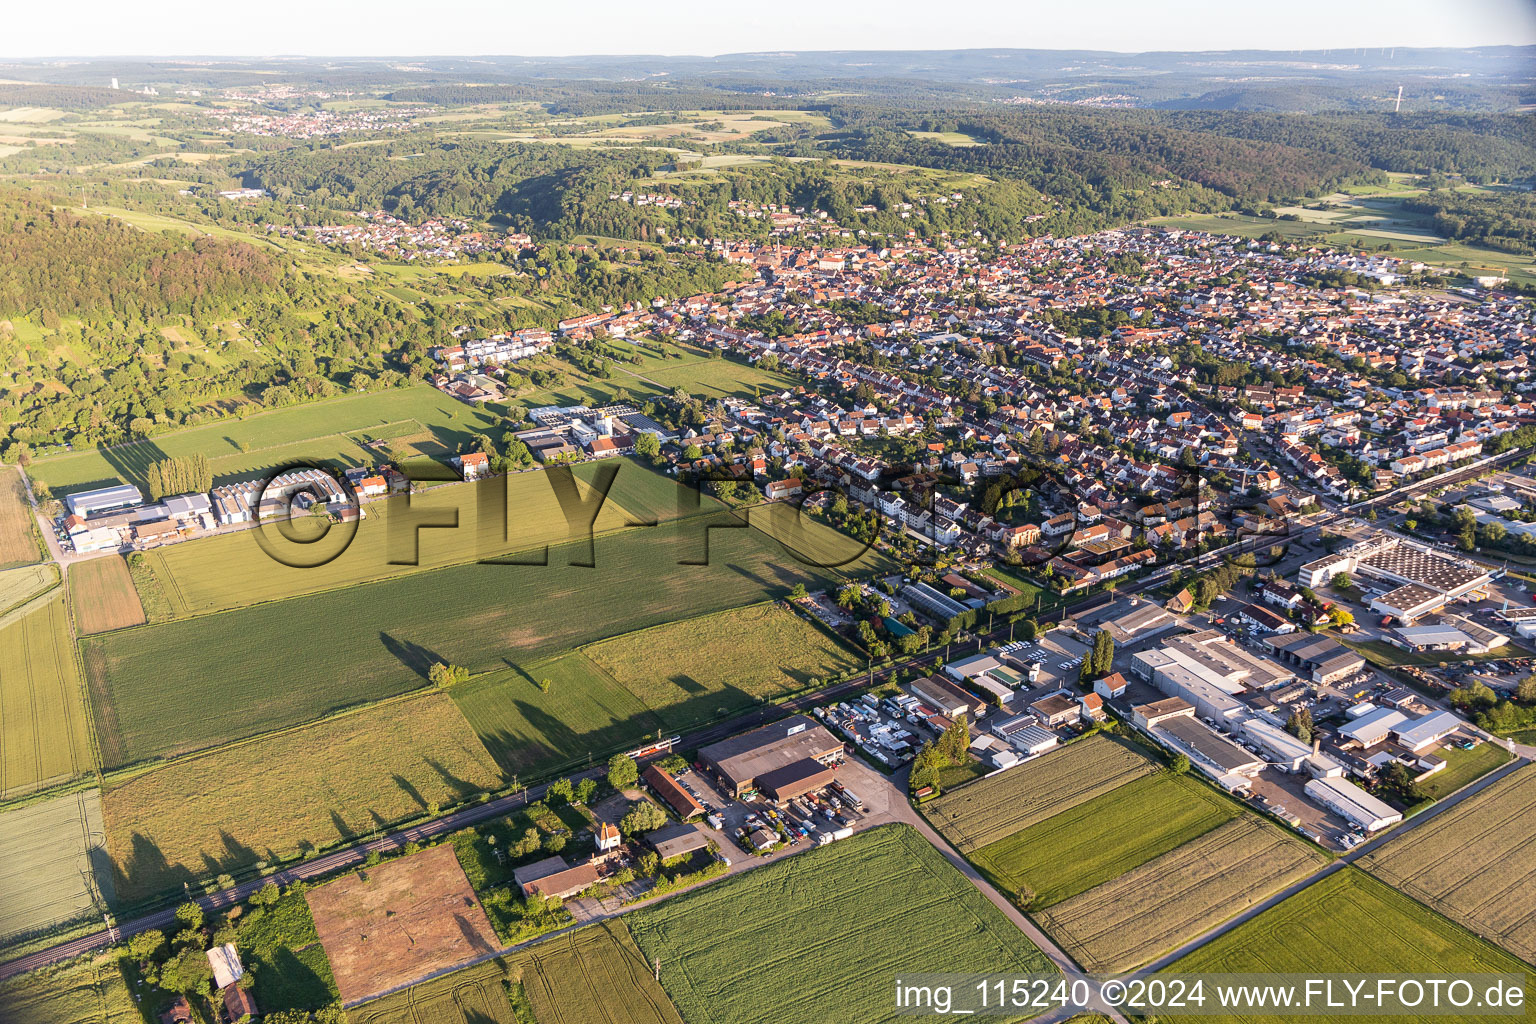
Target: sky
[(572, 27)]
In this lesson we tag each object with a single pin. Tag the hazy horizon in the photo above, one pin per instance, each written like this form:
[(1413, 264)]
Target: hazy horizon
[(289, 29)]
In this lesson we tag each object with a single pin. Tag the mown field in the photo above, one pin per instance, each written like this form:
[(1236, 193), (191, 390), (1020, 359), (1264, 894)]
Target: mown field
[(102, 594), (988, 810), (1098, 840), (397, 538), (84, 991), (18, 532), (1349, 923), (290, 793), (818, 937), (44, 739), (584, 713), (236, 446), (1132, 919), (1472, 863), (1463, 767), (719, 378), (749, 654), (53, 860), (808, 541), (243, 672)]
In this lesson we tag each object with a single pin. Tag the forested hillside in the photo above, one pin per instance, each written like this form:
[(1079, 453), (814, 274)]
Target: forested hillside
[(62, 262)]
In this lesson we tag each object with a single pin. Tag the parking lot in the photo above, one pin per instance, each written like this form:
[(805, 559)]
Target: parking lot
[(858, 798)]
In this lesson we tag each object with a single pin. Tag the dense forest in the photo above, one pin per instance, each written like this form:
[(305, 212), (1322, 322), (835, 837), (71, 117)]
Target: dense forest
[(63, 262), (1499, 220)]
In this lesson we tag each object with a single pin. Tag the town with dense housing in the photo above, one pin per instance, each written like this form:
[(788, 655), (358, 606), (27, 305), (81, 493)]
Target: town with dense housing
[(589, 545)]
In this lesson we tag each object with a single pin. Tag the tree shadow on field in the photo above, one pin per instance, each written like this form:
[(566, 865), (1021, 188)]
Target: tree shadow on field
[(409, 790), (688, 684), (460, 787), (236, 856), (132, 461), (412, 655), (343, 830), (285, 982), (145, 871), (706, 707), (475, 939)]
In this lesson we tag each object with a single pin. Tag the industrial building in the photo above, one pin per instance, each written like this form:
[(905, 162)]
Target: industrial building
[(87, 503), (944, 697), (1417, 581), (794, 780), (1352, 803), (1373, 727), (1317, 657), (1023, 733), (1420, 733), (1452, 634), (1208, 670), (1282, 749), (1146, 716), (671, 841), (738, 762), (1225, 762)]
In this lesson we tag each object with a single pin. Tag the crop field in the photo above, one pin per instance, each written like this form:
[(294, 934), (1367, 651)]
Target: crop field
[(23, 583), (396, 538), (451, 421), (594, 976), (818, 937), (740, 657), (54, 864), (1149, 910), (1095, 841), (812, 542), (103, 596), (44, 739), (985, 811), (409, 917), (296, 791), (1354, 925), (85, 991), (473, 995), (583, 714), (18, 532), (286, 662), (1472, 863)]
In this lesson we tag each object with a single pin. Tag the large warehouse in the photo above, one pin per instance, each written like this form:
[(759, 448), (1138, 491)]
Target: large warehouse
[(1352, 803), (737, 763), (1417, 581), (1208, 670), (1320, 659), (87, 503)]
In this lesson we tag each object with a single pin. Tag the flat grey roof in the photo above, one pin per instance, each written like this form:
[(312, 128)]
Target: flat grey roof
[(1229, 757), (743, 758)]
